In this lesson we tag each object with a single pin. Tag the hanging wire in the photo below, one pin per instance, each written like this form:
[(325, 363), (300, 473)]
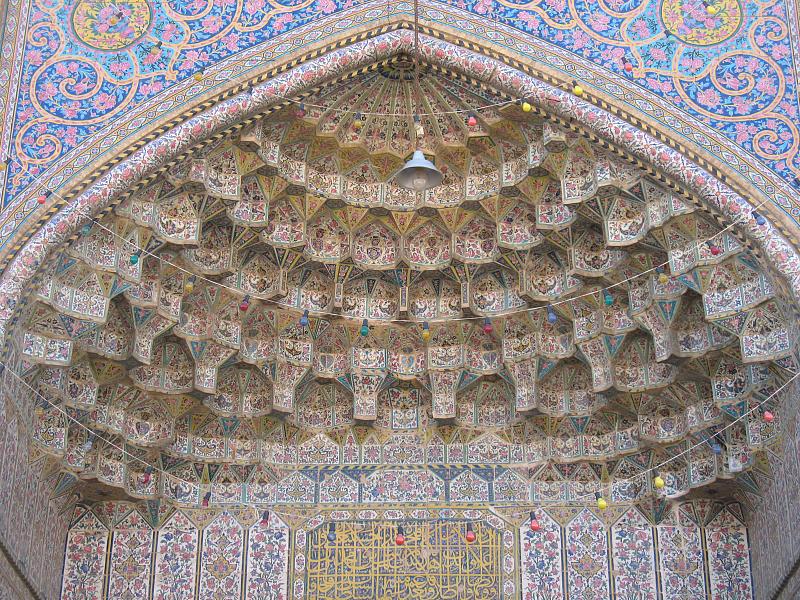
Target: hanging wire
[(657, 269), (172, 477), (337, 315), (547, 306)]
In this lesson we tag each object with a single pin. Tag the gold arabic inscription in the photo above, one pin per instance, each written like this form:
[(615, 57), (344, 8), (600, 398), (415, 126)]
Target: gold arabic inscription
[(435, 563)]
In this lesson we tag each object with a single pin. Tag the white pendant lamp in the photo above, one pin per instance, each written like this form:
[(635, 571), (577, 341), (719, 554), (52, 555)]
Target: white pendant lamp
[(419, 174)]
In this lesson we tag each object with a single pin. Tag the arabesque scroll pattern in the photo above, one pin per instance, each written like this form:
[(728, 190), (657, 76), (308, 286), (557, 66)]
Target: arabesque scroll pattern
[(732, 70)]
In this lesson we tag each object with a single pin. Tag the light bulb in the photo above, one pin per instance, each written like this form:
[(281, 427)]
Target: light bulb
[(419, 182)]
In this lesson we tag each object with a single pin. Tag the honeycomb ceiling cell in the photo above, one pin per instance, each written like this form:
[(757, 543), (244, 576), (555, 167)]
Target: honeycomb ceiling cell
[(548, 304)]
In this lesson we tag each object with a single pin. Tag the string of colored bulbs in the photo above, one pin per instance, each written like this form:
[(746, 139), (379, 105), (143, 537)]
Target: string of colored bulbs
[(658, 482), (712, 9), (552, 317), (488, 327), (364, 329)]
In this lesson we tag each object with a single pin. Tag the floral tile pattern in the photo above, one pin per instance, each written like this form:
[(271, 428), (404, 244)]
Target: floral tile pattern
[(576, 548)]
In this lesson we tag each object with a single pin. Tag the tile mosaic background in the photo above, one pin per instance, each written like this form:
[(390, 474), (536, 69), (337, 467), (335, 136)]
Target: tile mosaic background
[(33, 519), (70, 70), (696, 550), (84, 66), (774, 556)]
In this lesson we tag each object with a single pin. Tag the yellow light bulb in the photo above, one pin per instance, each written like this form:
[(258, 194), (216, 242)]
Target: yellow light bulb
[(577, 90), (602, 504), (658, 483), (526, 107)]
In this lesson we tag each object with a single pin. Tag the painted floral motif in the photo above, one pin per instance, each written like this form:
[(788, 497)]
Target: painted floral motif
[(587, 557), (696, 22), (221, 560), (680, 549), (391, 486), (267, 560), (131, 552), (541, 560), (633, 552), (84, 560), (728, 552), (176, 558), (111, 26)]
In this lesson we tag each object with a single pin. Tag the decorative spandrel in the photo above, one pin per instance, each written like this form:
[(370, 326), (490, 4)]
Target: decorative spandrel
[(363, 561)]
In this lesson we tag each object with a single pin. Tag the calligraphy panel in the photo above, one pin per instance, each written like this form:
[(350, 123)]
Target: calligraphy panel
[(364, 562)]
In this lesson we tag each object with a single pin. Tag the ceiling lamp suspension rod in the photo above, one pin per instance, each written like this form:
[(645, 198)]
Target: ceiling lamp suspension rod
[(656, 469), (418, 174)]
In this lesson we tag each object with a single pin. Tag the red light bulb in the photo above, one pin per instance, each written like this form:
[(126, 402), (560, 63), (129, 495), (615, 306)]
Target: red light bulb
[(488, 328), (472, 121), (535, 525), (768, 417), (470, 537)]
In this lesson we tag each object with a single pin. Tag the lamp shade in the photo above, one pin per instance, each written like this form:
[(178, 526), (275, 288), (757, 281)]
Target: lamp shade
[(419, 174)]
